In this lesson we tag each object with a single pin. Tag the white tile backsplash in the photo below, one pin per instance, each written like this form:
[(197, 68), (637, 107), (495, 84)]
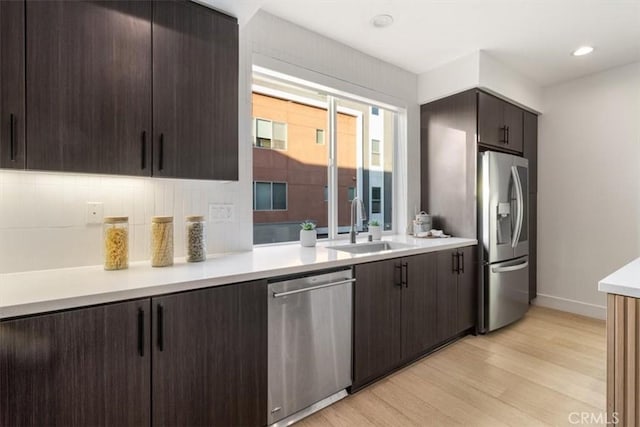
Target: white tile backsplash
[(43, 215)]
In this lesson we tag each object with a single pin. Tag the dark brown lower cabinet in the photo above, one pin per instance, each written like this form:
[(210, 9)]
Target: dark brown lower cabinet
[(395, 314), (376, 321), (194, 358), (210, 357), (457, 292), (80, 367)]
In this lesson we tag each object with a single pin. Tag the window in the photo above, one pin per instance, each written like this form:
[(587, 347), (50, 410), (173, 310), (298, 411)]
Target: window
[(375, 200), (375, 152), (339, 148), (270, 134), (269, 196), (351, 193)]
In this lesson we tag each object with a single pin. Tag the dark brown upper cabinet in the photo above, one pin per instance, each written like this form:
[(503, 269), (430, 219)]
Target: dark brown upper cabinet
[(84, 367), (531, 148), (12, 96), (89, 86), (195, 92), (500, 124)]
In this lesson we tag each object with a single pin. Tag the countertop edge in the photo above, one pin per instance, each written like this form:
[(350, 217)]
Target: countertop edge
[(625, 281), (90, 299)]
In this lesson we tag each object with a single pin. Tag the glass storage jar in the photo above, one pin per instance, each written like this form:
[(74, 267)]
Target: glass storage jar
[(161, 241), (195, 238), (115, 234)]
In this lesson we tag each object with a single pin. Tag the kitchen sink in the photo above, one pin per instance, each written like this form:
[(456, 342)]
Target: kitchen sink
[(370, 247)]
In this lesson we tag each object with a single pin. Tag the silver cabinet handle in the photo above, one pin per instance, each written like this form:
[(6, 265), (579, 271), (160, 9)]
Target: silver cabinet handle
[(510, 268), (312, 288)]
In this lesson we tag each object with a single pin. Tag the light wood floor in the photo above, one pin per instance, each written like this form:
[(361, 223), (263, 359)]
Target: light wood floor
[(535, 372)]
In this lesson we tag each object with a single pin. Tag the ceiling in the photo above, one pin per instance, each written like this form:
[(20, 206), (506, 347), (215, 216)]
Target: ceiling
[(534, 37)]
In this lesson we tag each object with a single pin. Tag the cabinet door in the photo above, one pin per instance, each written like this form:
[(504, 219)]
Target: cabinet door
[(491, 120), (418, 305), (77, 368), (513, 119), (447, 295), (377, 304), (89, 80), (195, 92), (210, 356), (12, 96), (531, 148), (467, 289)]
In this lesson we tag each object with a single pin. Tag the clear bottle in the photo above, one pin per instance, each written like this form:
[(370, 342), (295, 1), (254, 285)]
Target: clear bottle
[(115, 235), (161, 241), (195, 238)]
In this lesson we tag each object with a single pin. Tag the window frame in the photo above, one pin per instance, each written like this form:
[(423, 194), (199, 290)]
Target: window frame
[(286, 74)]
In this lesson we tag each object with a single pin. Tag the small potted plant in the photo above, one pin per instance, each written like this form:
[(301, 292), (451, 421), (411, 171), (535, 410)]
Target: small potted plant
[(374, 230), (308, 234)]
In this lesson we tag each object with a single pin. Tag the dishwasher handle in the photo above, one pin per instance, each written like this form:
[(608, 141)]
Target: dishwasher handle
[(312, 288)]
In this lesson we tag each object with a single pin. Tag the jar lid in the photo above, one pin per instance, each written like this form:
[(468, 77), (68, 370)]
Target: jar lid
[(194, 218), (115, 219), (162, 219)]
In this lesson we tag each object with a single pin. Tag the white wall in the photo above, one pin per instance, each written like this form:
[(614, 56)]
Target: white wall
[(291, 49), (479, 69), (589, 186), (450, 78), (43, 216)]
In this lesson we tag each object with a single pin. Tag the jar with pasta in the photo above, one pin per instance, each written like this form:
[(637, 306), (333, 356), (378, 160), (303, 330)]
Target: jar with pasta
[(161, 241), (195, 238), (115, 233)]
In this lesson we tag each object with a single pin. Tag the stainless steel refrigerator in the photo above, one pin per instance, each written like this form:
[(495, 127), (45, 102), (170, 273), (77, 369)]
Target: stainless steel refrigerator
[(503, 230)]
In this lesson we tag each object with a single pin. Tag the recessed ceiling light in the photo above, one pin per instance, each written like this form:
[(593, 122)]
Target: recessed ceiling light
[(583, 50), (381, 21)]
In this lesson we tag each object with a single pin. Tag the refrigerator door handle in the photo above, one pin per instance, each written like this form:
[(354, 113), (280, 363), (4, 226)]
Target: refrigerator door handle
[(510, 268), (520, 215)]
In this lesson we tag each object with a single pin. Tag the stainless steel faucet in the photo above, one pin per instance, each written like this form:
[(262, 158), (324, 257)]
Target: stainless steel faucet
[(356, 203)]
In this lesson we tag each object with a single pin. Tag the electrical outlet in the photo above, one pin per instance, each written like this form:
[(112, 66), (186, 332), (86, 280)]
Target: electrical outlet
[(95, 212), (221, 212)]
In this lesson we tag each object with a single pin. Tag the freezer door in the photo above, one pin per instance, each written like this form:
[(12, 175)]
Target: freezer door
[(506, 292)]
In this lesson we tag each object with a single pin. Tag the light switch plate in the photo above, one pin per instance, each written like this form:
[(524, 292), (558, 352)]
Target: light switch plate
[(95, 212), (221, 212)]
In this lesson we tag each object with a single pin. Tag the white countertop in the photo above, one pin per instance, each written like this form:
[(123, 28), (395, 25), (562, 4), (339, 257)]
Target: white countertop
[(49, 290), (625, 281)]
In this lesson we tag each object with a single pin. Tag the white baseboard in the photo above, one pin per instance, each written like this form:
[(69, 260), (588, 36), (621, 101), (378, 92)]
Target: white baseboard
[(572, 306)]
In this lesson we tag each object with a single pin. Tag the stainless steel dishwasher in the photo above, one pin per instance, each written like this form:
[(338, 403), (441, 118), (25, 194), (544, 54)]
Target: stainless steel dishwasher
[(309, 344)]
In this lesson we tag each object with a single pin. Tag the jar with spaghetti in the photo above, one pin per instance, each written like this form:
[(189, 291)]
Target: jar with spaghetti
[(161, 241), (115, 233), (195, 239)]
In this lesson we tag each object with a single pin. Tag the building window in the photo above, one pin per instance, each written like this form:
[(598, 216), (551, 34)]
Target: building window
[(320, 136), (375, 200), (326, 193), (270, 134), (269, 196), (375, 111), (375, 152), (351, 193)]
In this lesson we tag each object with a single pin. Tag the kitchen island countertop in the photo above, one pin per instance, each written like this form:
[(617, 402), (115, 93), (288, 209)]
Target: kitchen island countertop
[(625, 281), (50, 290)]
